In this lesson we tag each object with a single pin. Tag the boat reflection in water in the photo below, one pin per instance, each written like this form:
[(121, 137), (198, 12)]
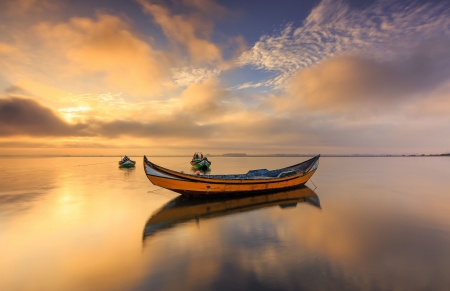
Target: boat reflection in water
[(183, 209)]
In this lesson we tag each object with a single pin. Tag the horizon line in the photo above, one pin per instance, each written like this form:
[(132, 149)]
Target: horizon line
[(237, 155)]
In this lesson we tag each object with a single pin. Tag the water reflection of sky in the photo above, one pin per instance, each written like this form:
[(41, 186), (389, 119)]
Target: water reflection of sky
[(384, 225)]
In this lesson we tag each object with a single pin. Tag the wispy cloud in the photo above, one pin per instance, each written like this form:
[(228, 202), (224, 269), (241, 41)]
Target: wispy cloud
[(187, 75), (73, 109), (384, 30), (249, 85), (192, 31)]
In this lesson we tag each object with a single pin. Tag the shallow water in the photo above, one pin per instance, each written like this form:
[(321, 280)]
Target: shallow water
[(83, 224)]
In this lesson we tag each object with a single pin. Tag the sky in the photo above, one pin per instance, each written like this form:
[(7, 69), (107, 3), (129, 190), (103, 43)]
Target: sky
[(258, 77)]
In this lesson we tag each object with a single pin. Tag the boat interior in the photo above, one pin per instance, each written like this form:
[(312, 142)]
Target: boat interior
[(304, 167)]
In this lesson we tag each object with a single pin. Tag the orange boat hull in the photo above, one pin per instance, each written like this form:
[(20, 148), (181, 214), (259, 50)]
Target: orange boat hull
[(191, 185), (192, 188)]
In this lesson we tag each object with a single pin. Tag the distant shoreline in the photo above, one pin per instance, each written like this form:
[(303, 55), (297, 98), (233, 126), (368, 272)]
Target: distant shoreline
[(228, 156)]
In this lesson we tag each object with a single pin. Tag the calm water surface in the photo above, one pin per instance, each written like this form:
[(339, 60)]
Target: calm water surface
[(83, 224)]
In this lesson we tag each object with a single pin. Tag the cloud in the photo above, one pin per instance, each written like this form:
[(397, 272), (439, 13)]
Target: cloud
[(435, 105), (14, 89), (20, 116), (353, 85), (178, 127), (384, 31), (206, 7), (26, 6), (202, 110), (107, 46), (86, 54), (183, 76), (6, 49), (26, 117), (242, 130), (186, 75), (207, 113), (199, 113), (204, 100), (348, 86), (191, 31), (249, 85)]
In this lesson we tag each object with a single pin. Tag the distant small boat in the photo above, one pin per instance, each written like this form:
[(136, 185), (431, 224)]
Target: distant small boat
[(125, 162), (255, 181), (200, 162), (183, 209)]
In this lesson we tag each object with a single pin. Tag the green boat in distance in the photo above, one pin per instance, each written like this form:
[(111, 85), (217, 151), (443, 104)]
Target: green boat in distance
[(200, 162), (125, 162)]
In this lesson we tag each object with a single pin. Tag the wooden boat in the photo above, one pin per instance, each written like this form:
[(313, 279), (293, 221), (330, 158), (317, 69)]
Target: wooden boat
[(183, 209), (255, 181), (200, 162), (125, 162)]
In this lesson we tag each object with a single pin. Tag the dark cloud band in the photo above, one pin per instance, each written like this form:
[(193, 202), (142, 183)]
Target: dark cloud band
[(20, 116)]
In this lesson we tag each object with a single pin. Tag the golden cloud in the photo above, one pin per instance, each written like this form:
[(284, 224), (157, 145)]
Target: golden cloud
[(204, 99), (6, 49), (109, 47), (355, 85), (342, 82)]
